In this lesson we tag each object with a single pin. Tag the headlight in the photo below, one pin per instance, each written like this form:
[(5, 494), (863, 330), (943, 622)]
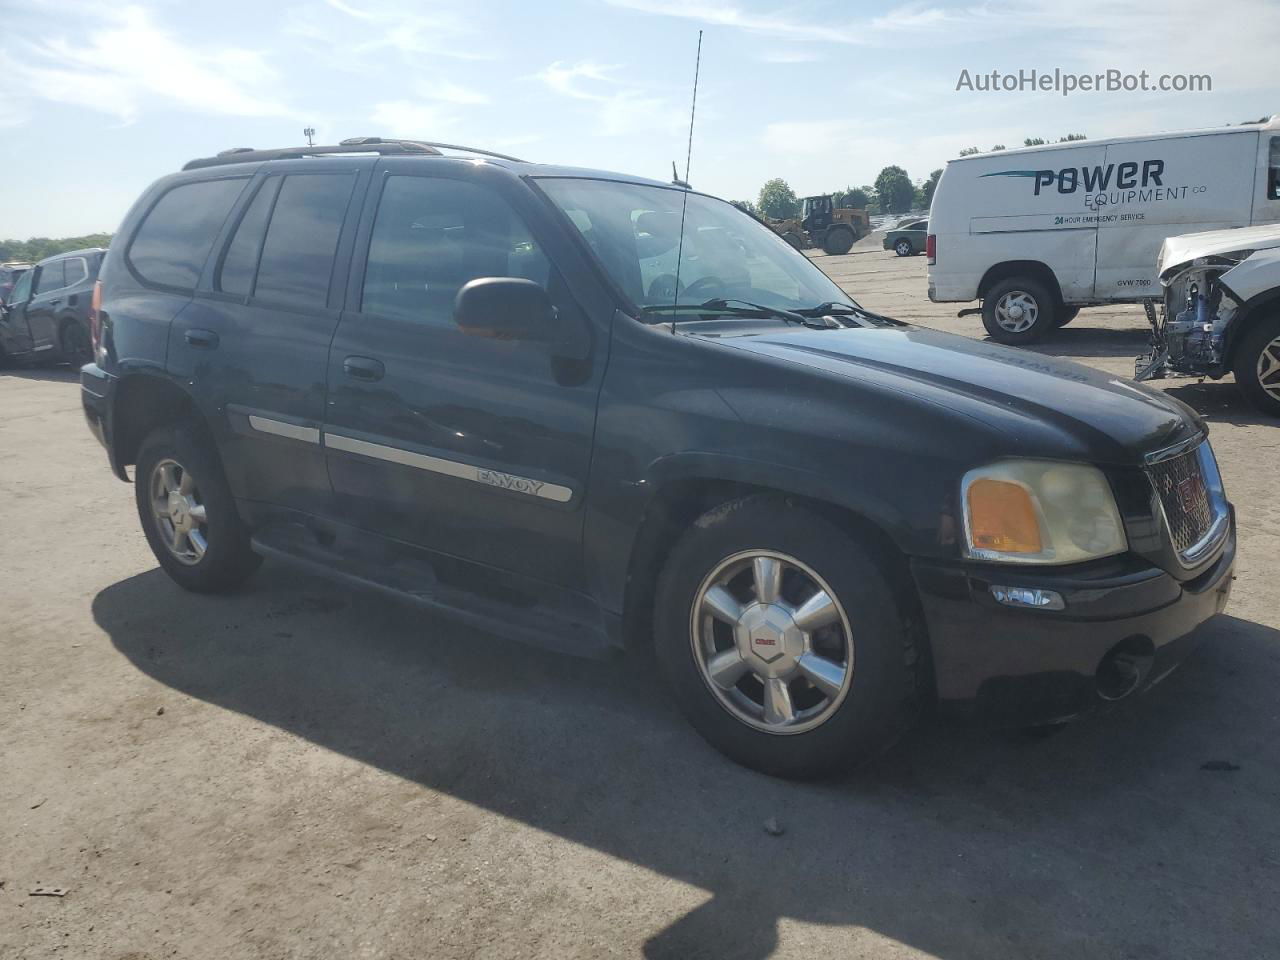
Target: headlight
[(1038, 511)]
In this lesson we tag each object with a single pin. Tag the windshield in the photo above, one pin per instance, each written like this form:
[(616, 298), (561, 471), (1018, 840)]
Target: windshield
[(635, 231)]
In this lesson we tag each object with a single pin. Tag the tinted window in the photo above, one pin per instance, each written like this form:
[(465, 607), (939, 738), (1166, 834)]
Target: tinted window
[(297, 257), (76, 271), (50, 278), (173, 241), (241, 259), (22, 289), (431, 236), (1273, 173)]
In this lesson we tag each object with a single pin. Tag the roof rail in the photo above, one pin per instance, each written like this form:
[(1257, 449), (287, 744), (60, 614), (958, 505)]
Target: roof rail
[(365, 145), (380, 145), (437, 146)]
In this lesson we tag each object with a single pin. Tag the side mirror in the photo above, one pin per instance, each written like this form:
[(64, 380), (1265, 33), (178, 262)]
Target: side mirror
[(505, 308)]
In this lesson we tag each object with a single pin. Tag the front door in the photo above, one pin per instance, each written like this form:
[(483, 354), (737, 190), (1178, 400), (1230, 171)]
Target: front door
[(41, 311), (15, 335), (475, 448)]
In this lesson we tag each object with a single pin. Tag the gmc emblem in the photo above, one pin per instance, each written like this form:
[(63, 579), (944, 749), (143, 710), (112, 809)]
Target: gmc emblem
[(1191, 493)]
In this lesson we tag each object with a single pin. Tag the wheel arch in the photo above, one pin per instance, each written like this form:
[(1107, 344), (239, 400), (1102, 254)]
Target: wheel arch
[(1033, 269), (678, 501), (143, 402), (1261, 307)]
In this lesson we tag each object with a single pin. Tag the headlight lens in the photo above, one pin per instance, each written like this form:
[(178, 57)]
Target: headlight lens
[(1036, 511)]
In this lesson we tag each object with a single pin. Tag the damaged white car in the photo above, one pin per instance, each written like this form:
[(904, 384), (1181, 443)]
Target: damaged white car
[(1221, 311)]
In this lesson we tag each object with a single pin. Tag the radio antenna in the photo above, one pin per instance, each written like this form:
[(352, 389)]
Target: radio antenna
[(688, 159)]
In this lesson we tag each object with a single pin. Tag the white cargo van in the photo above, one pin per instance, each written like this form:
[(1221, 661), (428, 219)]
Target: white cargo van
[(1038, 233)]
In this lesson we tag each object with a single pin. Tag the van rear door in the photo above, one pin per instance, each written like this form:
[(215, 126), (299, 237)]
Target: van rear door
[(1148, 190), (1266, 188)]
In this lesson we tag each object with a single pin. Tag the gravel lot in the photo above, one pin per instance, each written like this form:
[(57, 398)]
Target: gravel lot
[(303, 771)]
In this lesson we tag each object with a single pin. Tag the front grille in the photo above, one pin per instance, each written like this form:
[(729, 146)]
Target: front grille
[(1180, 483)]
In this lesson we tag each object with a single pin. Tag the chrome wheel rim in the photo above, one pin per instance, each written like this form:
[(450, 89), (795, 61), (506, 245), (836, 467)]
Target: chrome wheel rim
[(903, 248), (180, 516), (772, 642), (1268, 369), (1017, 311)]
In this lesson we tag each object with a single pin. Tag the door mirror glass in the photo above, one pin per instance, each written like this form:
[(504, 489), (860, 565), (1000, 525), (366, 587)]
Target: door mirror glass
[(505, 308)]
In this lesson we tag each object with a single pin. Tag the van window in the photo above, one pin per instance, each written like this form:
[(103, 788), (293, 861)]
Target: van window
[(297, 256), (174, 239), (50, 278), (431, 236), (235, 275), (1273, 171)]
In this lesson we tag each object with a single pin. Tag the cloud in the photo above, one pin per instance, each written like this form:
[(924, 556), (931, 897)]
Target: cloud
[(564, 79), (128, 62), (351, 28), (413, 120)]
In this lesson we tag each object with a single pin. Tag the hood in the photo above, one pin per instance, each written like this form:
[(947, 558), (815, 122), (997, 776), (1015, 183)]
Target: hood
[(1180, 251), (1045, 407)]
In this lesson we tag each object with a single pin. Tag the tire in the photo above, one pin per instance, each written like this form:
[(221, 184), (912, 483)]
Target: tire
[(830, 732), (225, 560), (73, 343), (1257, 365), (1065, 315), (1034, 317), (794, 239), (838, 241), (904, 248)]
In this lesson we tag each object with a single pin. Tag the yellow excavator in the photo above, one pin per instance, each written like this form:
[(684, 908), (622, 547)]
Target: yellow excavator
[(822, 224)]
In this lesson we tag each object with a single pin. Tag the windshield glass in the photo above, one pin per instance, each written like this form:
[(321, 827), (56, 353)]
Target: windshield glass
[(635, 231)]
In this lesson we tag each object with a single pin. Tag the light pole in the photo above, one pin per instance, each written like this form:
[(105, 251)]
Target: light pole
[(309, 133)]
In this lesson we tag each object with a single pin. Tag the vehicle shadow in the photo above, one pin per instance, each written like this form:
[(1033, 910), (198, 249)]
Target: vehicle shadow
[(1081, 340), (62, 373), (1220, 401), (1105, 840)]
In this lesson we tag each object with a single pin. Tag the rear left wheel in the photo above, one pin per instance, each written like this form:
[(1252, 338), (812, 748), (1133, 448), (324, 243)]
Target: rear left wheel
[(781, 640), (188, 513), (903, 248)]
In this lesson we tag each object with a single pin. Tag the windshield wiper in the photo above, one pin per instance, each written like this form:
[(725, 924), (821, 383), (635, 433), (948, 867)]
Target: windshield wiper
[(833, 309), (734, 307)]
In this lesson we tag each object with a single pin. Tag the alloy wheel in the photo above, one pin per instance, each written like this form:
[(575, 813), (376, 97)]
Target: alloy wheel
[(1269, 369), (1017, 311), (772, 642), (180, 515), (903, 248)]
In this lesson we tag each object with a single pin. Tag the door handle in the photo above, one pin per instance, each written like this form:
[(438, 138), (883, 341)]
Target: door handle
[(206, 339), (363, 368), (55, 301)]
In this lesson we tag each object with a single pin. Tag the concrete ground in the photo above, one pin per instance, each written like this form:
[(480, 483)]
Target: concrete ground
[(304, 771)]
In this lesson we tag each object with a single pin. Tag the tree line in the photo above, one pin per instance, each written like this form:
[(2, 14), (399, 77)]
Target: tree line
[(37, 248), (893, 192)]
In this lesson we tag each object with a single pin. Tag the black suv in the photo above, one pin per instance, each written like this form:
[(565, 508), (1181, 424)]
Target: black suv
[(588, 409), (47, 314)]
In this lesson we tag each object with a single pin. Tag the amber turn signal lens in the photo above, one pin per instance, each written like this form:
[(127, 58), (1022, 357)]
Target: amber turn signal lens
[(1002, 517)]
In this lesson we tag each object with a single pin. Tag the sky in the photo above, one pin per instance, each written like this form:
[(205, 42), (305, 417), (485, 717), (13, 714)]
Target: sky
[(99, 99)]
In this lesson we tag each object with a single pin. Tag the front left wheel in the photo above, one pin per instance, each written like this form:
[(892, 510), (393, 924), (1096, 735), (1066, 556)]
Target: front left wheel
[(781, 640), (188, 513), (1257, 365)]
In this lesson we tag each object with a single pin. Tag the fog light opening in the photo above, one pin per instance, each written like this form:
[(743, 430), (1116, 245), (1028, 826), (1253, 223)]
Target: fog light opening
[(1124, 668)]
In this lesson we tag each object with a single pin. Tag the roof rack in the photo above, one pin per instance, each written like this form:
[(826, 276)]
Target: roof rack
[(379, 145)]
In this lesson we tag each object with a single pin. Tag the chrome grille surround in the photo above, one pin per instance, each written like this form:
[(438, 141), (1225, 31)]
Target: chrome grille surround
[(1188, 489)]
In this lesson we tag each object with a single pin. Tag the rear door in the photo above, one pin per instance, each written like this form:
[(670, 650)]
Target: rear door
[(254, 342), (473, 447), (1266, 189), (1154, 189)]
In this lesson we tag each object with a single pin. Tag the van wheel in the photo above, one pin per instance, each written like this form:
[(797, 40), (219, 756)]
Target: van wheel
[(1065, 315), (1018, 310), (903, 248), (838, 242), (1257, 365), (188, 514), (781, 641)]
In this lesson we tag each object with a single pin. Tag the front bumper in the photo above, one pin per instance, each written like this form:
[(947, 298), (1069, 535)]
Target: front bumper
[(1038, 666)]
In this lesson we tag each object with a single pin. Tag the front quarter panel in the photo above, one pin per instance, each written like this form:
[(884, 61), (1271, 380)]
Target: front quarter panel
[(685, 408)]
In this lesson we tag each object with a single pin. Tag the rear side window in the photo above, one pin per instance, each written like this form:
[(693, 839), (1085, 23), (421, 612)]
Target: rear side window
[(235, 275), (1273, 171), (431, 236), (49, 278), (297, 256), (77, 271), (175, 237)]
